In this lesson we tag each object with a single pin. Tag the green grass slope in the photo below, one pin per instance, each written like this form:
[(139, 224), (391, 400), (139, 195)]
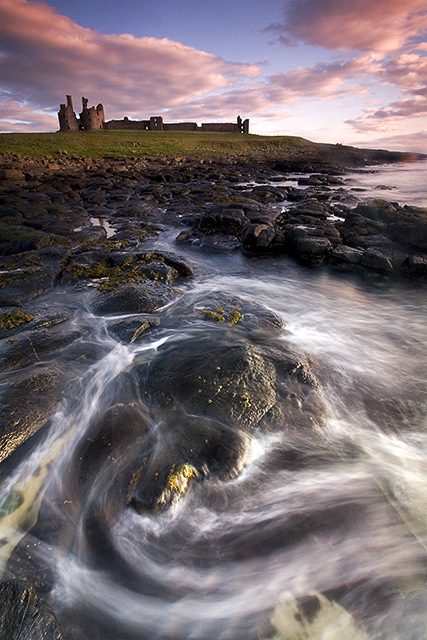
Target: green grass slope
[(125, 144)]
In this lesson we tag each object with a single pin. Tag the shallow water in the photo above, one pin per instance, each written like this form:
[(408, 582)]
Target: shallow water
[(340, 511), (404, 183)]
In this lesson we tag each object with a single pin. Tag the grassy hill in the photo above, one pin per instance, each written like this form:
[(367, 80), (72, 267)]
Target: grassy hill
[(125, 144)]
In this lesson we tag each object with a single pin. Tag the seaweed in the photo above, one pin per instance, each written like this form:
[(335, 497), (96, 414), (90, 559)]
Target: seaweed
[(11, 319)]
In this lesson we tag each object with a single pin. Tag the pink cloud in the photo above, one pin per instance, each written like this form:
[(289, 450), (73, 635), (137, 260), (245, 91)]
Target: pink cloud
[(392, 116), (353, 24), (252, 100), (321, 82), (19, 117), (409, 71), (44, 55)]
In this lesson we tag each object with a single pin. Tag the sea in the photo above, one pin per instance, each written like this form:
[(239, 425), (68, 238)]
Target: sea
[(334, 548)]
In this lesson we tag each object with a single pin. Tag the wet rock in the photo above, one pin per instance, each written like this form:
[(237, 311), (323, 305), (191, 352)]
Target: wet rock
[(29, 275), (379, 210), (18, 239), (342, 253), (25, 616), (230, 382), (258, 236), (90, 235), (223, 311), (14, 320), (411, 233), (25, 285), (212, 242), (112, 434), (132, 329), (268, 193), (180, 263), (377, 260), (30, 402), (415, 266), (223, 375), (210, 391), (192, 448), (31, 346), (308, 244), (133, 298), (224, 220), (110, 271)]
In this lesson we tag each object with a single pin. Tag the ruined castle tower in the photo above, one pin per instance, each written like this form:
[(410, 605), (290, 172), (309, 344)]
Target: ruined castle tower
[(91, 119), (67, 118)]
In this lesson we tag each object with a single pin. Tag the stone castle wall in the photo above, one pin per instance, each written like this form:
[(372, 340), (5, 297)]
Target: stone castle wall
[(93, 119), (135, 125), (180, 126)]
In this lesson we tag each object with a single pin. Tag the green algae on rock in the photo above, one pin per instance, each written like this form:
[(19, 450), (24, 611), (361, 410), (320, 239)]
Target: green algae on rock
[(11, 319)]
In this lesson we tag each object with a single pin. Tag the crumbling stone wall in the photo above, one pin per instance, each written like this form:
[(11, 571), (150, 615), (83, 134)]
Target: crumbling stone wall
[(135, 125), (225, 127), (180, 126)]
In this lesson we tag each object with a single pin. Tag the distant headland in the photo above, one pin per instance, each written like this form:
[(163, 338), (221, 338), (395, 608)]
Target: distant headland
[(93, 119)]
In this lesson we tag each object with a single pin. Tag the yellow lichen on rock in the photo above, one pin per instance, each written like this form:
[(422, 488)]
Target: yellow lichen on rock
[(11, 319), (178, 480), (218, 316), (235, 316)]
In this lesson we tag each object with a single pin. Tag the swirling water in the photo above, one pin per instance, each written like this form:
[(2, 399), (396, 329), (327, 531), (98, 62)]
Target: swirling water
[(323, 535)]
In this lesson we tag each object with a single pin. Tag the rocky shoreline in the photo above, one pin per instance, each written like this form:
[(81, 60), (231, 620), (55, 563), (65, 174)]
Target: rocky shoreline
[(88, 227)]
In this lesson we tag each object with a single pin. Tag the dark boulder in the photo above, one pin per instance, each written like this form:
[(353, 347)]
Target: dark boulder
[(30, 274), (308, 243), (25, 616), (258, 237), (415, 266), (379, 210), (268, 193), (31, 346), (349, 255), (191, 448), (30, 402), (133, 298), (377, 260), (221, 312), (229, 381), (410, 232), (19, 239), (133, 328), (112, 435), (212, 389), (223, 220), (182, 265)]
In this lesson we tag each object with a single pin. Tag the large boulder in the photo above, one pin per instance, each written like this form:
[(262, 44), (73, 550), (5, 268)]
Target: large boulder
[(211, 389)]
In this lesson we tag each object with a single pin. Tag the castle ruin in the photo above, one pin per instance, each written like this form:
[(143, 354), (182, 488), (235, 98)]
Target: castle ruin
[(92, 119)]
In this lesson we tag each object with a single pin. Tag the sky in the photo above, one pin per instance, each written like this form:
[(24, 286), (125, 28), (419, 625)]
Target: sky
[(340, 71)]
